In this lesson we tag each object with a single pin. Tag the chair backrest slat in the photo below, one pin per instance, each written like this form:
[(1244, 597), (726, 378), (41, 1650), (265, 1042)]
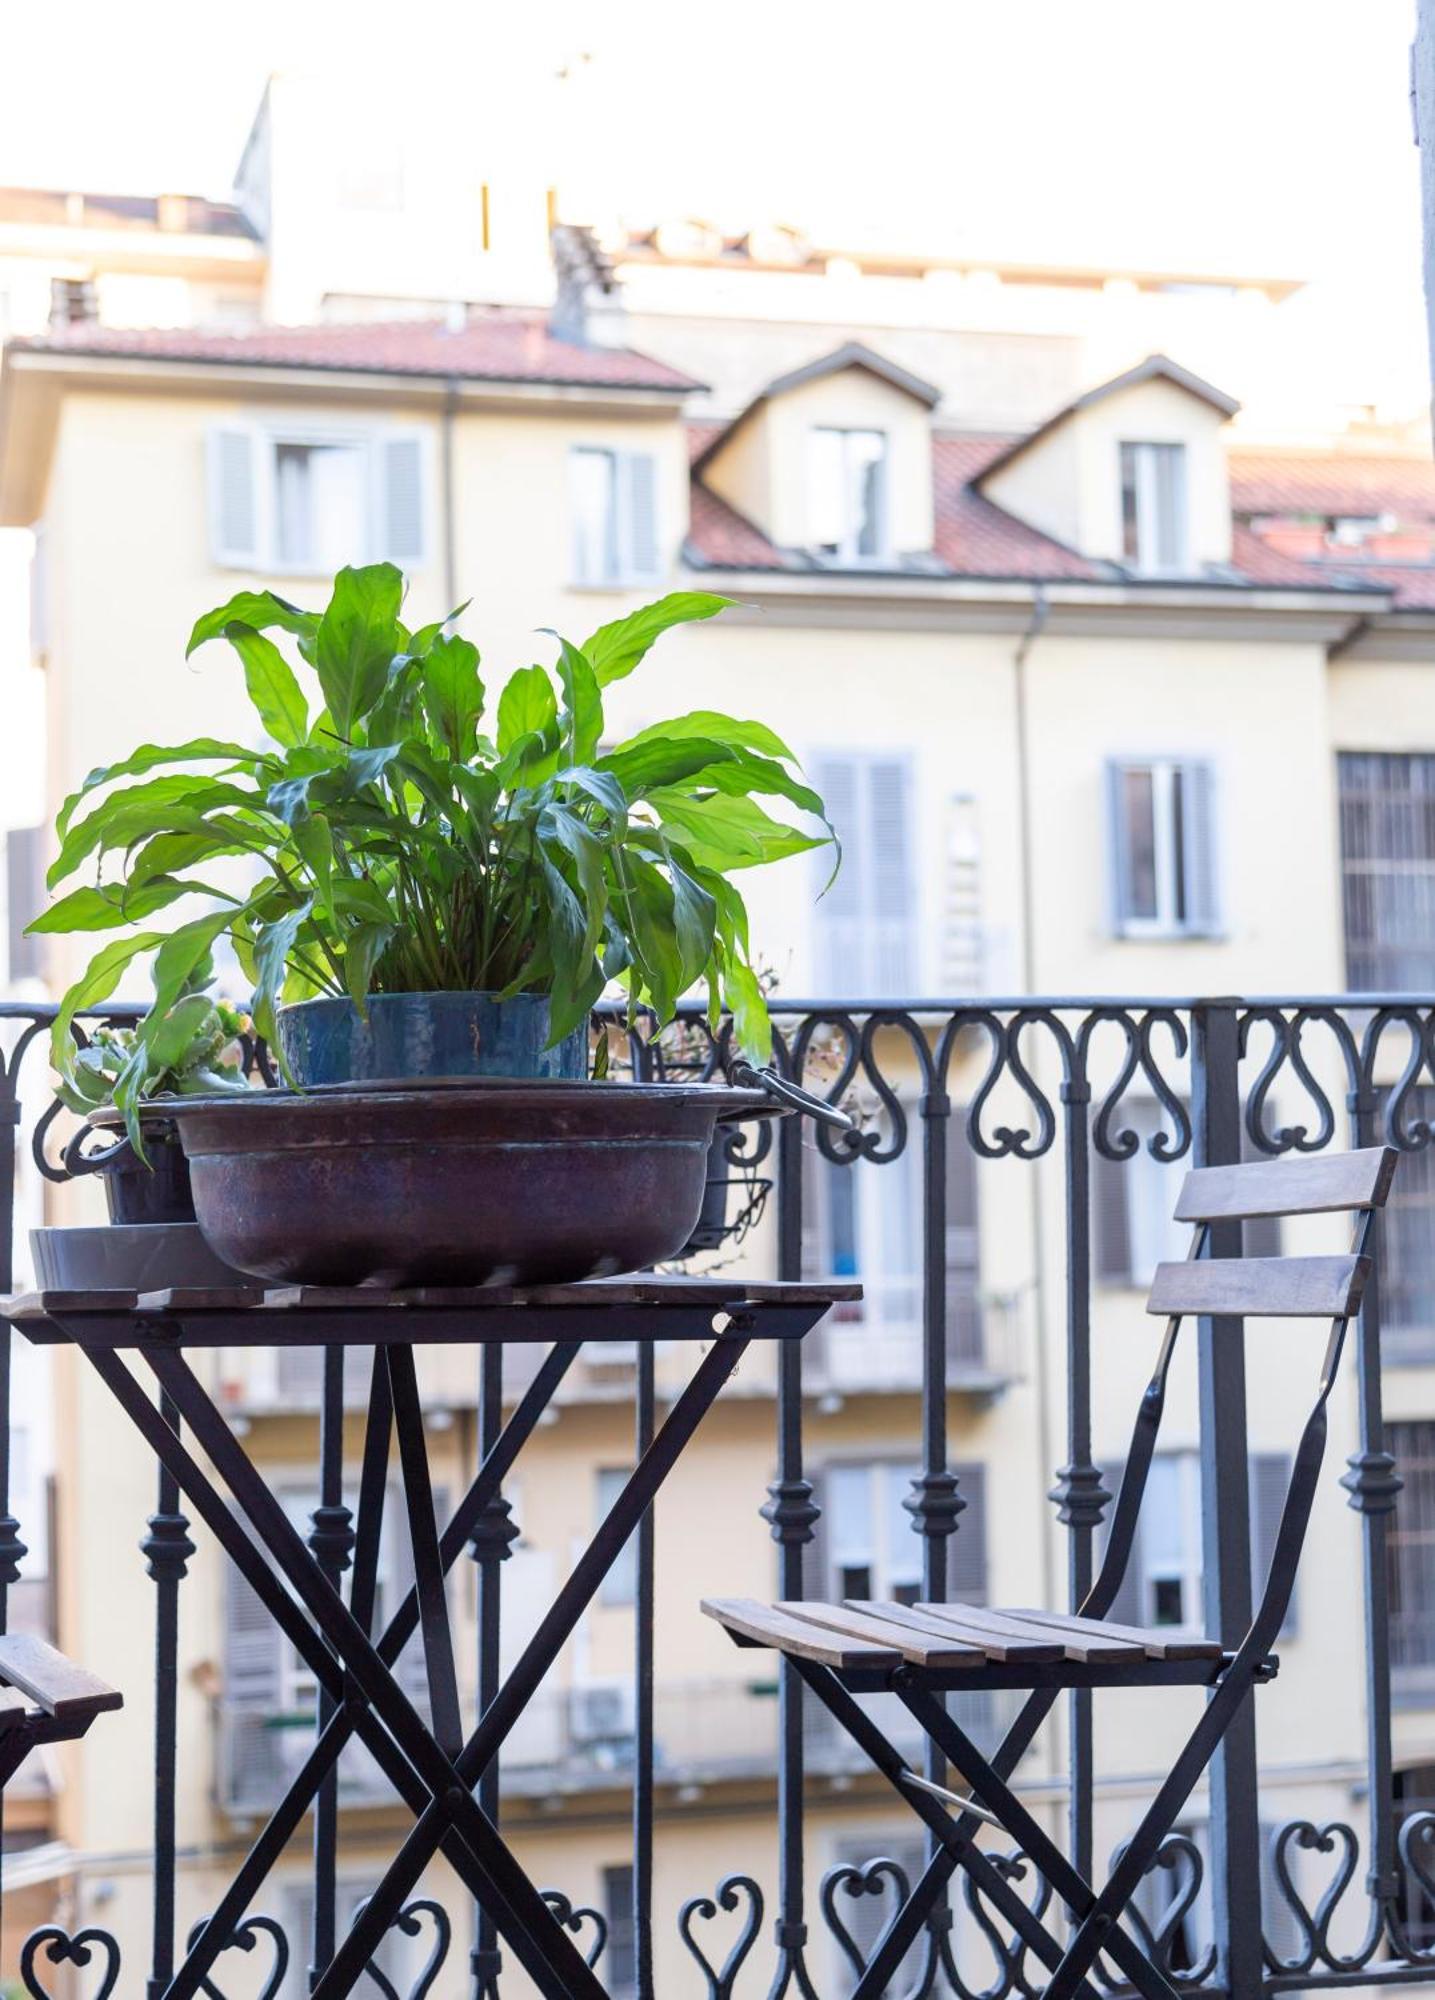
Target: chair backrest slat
[(1299, 1184), (1264, 1287)]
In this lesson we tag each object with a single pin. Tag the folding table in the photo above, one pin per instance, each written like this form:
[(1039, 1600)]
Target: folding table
[(433, 1764)]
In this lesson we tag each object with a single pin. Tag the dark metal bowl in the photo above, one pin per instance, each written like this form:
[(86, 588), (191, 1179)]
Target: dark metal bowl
[(464, 1181)]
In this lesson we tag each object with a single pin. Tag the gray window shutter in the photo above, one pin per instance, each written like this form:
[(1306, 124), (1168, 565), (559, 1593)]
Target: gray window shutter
[(639, 474), (967, 1572), (817, 1575), (1270, 1474), (402, 461), (837, 913), (1127, 1608), (890, 896), (1118, 848), (963, 1245), (1198, 840), (1110, 1220), (253, 1661), (234, 497), (24, 899)]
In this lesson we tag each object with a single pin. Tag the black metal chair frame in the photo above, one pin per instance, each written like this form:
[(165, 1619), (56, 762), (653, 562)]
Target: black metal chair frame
[(951, 1820)]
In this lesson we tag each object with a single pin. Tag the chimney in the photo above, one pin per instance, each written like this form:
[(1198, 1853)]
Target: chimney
[(588, 304), (73, 302)]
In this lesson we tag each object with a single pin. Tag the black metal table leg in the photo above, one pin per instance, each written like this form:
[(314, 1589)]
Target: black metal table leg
[(538, 1656), (428, 1561)]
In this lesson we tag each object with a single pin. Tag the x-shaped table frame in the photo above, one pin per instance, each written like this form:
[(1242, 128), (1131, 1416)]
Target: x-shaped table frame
[(433, 1766)]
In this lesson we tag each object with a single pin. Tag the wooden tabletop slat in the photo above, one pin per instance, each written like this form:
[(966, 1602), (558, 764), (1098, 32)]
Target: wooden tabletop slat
[(937, 1651), (771, 1627), (1158, 1643), (58, 1686), (1091, 1649)]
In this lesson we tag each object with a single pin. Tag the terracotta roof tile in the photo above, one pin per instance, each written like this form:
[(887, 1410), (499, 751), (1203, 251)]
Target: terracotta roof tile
[(1330, 483), (975, 537), (491, 347)]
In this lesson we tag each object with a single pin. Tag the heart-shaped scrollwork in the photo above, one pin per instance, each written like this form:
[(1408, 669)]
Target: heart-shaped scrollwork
[(574, 1917), (732, 1892), (1335, 1837), (1179, 1855), (245, 1937), (875, 1878), (410, 1920), (60, 1948), (1415, 1842), (1009, 1953)]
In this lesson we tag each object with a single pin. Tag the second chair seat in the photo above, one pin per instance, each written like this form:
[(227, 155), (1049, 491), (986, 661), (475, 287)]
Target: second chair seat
[(866, 1642)]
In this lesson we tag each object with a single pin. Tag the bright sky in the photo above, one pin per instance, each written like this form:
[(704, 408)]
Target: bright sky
[(1259, 134)]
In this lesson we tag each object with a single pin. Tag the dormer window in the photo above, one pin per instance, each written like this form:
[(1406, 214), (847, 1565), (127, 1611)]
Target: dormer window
[(1153, 508), (847, 493)]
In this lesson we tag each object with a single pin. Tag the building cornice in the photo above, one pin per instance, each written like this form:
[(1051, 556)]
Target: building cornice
[(1074, 608)]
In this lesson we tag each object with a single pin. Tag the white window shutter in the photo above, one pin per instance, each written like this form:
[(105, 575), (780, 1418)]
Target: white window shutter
[(253, 1662), (234, 496), (891, 913), (1198, 836), (1270, 1474), (401, 460), (1118, 846), (638, 472)]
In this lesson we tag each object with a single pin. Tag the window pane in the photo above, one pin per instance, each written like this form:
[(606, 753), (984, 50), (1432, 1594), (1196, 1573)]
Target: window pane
[(595, 515), (904, 1552), (849, 1512), (1169, 497), (320, 506), (866, 465), (1387, 840), (1139, 823), (620, 1585), (1153, 506), (1178, 843), (1130, 526)]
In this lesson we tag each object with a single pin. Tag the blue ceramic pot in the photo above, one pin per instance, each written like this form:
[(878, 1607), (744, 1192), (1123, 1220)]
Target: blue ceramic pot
[(427, 1035)]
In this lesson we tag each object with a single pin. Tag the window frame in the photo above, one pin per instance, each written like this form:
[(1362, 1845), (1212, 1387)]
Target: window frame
[(628, 571), (1143, 530), (267, 436), (1177, 782), (846, 552)]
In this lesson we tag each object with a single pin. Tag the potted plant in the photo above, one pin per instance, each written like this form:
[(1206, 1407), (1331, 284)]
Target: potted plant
[(124, 1082), (446, 882), (118, 1082)]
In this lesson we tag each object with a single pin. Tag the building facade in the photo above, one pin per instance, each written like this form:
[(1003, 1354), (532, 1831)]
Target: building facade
[(1122, 691)]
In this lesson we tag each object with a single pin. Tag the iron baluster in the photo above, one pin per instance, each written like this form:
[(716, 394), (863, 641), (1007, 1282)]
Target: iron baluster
[(167, 1550), (332, 1540), (490, 1545), (643, 1619), (1225, 1516)]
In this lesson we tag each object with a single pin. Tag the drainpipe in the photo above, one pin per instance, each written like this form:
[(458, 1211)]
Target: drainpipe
[(1034, 628), (450, 558)]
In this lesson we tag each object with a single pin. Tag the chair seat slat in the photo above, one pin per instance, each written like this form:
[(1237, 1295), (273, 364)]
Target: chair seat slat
[(1262, 1287), (1158, 1643), (1308, 1184), (767, 1626), (940, 1650), (1094, 1648), (969, 1623)]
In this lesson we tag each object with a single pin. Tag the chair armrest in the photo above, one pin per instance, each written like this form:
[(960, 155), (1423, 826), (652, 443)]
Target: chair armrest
[(53, 1683)]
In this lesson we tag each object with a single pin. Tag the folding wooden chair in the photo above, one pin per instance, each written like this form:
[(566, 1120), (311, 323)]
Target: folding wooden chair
[(921, 1652)]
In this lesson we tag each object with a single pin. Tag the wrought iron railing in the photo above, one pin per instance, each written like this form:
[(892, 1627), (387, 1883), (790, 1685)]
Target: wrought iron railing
[(1047, 1097)]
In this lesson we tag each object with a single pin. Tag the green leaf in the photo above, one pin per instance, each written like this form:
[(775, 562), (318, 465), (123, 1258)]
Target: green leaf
[(202, 750), (648, 920), (603, 788), (741, 771), (527, 707), (259, 609), (138, 811), (105, 909), (695, 919), (660, 762), (559, 824), (583, 717), (183, 954), (358, 636), (273, 943), (725, 832), (614, 650), (750, 1020), (94, 986), (170, 1036), (315, 842), (365, 946), (270, 680), (718, 728), (453, 694)]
